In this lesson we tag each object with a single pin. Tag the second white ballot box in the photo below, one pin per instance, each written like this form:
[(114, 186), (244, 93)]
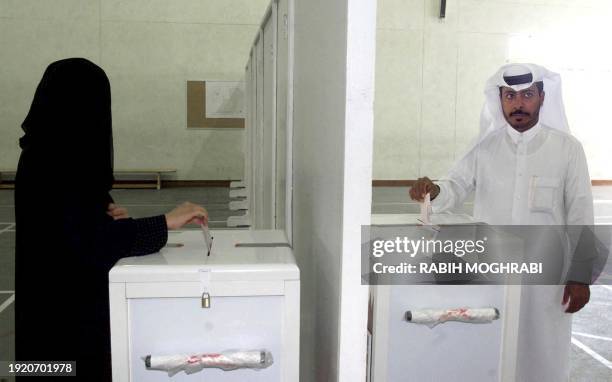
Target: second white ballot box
[(441, 347), (231, 316)]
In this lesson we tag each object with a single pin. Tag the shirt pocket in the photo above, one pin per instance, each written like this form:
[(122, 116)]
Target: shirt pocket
[(544, 193)]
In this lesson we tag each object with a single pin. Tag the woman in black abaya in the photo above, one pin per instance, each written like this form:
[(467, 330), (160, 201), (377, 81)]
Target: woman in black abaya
[(68, 231)]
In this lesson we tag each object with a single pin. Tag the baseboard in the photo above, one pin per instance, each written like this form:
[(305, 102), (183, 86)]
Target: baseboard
[(410, 182), (171, 183), (131, 184), (195, 183), (226, 183), (393, 183), (601, 182)]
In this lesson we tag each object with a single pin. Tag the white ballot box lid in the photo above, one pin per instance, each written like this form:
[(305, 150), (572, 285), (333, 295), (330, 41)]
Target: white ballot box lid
[(439, 219), (239, 255)]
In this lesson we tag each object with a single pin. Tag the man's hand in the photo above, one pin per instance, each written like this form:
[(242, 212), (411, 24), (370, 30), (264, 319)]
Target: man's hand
[(422, 187), (117, 212), (577, 294)]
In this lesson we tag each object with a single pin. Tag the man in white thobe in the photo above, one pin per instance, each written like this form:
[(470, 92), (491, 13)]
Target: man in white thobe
[(526, 169)]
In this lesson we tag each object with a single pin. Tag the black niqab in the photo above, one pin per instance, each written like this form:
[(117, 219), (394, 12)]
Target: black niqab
[(69, 126), (66, 243)]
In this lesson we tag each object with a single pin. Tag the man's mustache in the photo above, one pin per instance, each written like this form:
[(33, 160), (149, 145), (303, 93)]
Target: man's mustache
[(519, 112)]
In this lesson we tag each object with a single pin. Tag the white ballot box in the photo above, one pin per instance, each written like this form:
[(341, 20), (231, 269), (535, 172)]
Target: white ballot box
[(245, 296), (478, 350)]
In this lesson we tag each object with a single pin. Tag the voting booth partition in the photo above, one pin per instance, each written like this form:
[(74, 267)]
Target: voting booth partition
[(233, 315), (436, 349), (262, 194)]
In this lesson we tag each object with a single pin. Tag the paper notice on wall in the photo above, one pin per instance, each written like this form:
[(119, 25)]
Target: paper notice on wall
[(225, 99)]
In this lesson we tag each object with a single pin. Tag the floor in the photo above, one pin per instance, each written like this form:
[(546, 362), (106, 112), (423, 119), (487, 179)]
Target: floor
[(592, 331), (591, 351), (7, 278)]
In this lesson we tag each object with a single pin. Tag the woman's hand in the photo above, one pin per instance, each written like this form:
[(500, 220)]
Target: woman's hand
[(186, 213), (117, 212)]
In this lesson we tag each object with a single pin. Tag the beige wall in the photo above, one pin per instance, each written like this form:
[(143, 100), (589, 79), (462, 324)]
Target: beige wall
[(149, 49), (430, 74)]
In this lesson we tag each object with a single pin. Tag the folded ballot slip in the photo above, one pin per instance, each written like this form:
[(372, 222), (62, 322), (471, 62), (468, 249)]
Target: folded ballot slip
[(426, 210), (207, 239)]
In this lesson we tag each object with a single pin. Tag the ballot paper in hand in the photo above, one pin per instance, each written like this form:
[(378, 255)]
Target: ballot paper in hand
[(425, 218), (426, 209), (207, 239)]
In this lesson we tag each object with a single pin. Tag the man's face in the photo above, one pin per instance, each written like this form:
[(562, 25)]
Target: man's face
[(521, 109)]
